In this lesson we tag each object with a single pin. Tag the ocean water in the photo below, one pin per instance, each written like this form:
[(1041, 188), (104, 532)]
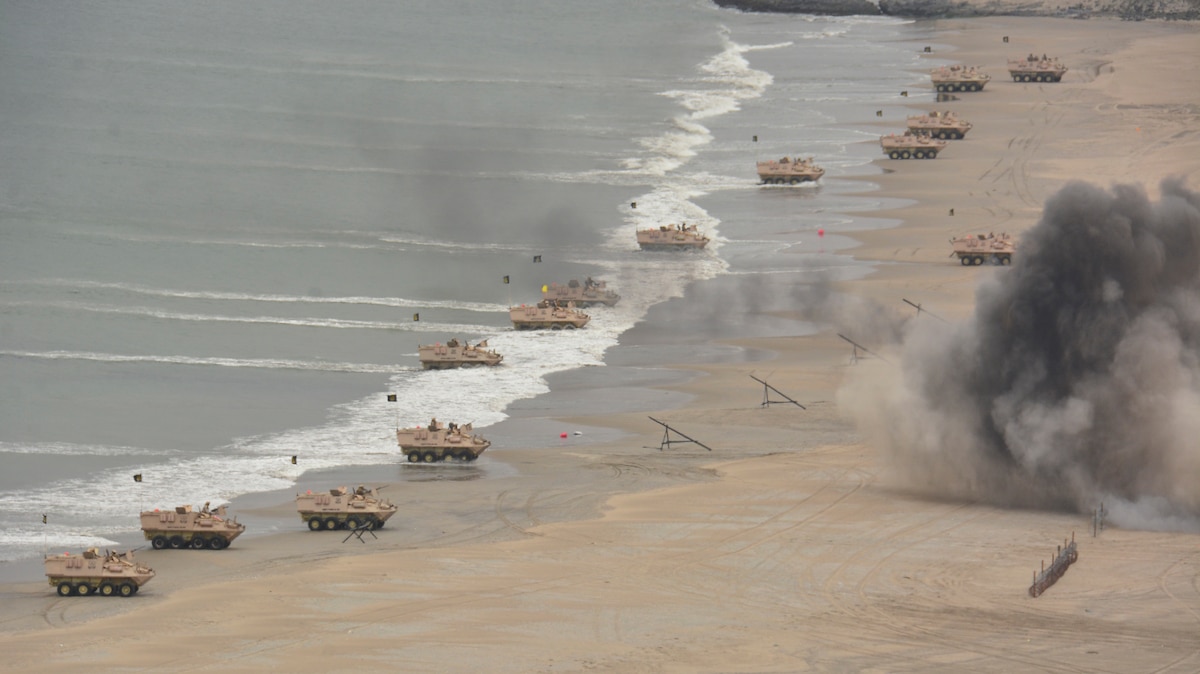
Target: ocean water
[(219, 220)]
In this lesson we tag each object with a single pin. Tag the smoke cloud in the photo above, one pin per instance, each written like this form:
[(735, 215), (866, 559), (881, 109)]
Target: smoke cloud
[(1076, 381)]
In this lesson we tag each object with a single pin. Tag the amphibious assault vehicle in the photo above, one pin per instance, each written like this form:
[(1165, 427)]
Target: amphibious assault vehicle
[(183, 528), (340, 509), (1034, 69), (439, 442), (582, 294), (453, 354), (959, 78), (671, 237), (91, 573), (974, 250), (789, 171), (911, 145), (546, 314), (941, 125)]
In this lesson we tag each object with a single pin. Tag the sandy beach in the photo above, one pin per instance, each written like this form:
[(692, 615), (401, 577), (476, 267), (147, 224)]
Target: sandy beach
[(789, 546)]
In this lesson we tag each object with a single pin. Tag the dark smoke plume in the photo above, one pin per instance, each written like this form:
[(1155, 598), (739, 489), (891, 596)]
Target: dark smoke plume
[(1077, 380)]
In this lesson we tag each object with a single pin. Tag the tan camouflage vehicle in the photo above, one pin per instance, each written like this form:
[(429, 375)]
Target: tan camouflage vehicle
[(546, 314), (911, 145), (340, 509), (91, 573), (183, 528), (959, 78), (453, 354), (1034, 69), (439, 442), (789, 171), (941, 125), (582, 294), (671, 237), (993, 248)]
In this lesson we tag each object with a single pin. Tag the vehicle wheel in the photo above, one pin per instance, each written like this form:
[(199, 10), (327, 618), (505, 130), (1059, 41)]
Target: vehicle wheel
[(83, 589), (198, 542), (314, 524), (905, 154), (376, 523), (556, 326), (428, 457), (571, 326), (1026, 78), (941, 135), (978, 259), (107, 590), (964, 261), (352, 524), (976, 87), (894, 154), (64, 589), (331, 524), (160, 542), (414, 457), (218, 543), (177, 542), (128, 589), (919, 154), (795, 181), (1005, 260)]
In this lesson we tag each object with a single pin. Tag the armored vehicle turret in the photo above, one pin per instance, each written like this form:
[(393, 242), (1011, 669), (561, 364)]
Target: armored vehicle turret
[(341, 509), (959, 78), (975, 250), (1034, 69), (439, 442), (910, 145), (91, 573), (454, 354), (791, 171), (671, 237), (941, 125), (184, 528), (546, 314), (582, 294)]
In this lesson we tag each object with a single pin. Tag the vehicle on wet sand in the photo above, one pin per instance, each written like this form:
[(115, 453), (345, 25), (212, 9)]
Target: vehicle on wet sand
[(1034, 69), (911, 145), (582, 294), (185, 528), (959, 78), (940, 125), (92, 573), (547, 315), (671, 237), (975, 250), (440, 442), (453, 354), (789, 171), (342, 509)]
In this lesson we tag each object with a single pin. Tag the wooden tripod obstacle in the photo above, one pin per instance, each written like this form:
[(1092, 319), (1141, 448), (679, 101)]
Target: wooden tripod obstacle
[(667, 441), (767, 388)]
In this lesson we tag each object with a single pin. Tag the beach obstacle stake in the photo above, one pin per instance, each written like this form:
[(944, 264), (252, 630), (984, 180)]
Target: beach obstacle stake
[(879, 113), (358, 531), (667, 441), (859, 347), (928, 49), (537, 258), (1006, 39), (904, 93), (920, 311), (767, 388)]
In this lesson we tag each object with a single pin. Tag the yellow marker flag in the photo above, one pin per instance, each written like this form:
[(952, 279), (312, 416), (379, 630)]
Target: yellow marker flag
[(545, 288)]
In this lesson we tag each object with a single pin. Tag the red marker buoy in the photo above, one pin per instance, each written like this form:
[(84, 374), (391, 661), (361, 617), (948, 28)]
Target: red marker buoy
[(562, 435), (821, 232)]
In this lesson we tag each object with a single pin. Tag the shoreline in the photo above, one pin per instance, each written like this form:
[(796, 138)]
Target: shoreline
[(608, 555)]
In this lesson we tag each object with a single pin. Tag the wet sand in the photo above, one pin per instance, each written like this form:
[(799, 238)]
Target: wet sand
[(786, 547)]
